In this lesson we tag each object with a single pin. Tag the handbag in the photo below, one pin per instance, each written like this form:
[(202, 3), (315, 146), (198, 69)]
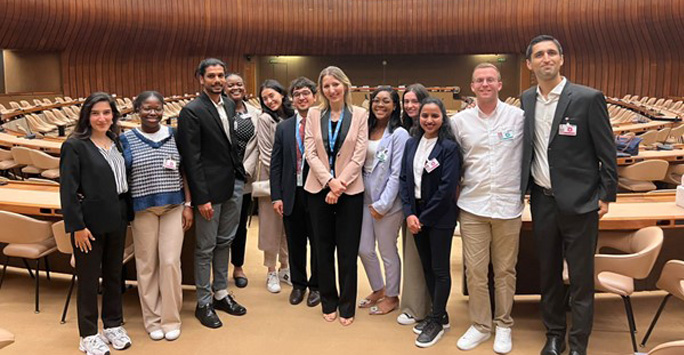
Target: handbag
[(627, 145), (261, 188)]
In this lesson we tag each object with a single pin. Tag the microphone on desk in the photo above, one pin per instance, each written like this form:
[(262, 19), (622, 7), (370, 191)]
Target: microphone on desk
[(29, 133)]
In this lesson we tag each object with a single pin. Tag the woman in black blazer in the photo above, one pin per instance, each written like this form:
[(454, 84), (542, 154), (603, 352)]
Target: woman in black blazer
[(431, 169), (96, 208)]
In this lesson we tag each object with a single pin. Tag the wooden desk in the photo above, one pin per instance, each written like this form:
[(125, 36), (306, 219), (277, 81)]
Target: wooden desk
[(31, 198), (47, 145), (641, 127), (672, 156)]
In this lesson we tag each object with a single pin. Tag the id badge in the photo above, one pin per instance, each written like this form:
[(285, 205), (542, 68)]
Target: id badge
[(245, 116), (506, 135), (431, 165), (300, 178), (382, 155), (566, 129), (170, 164)]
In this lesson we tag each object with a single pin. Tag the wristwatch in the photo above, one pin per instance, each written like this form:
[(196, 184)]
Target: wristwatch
[(187, 204)]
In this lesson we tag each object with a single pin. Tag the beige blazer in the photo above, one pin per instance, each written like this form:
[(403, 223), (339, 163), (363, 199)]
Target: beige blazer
[(265, 136), (350, 157)]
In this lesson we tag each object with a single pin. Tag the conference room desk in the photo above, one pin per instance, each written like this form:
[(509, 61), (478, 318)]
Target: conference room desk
[(45, 144), (629, 213), (673, 156), (641, 127)]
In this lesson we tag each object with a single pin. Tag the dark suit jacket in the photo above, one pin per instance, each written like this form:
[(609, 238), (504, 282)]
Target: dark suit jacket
[(210, 162), (88, 189), (438, 188), (283, 173), (583, 168)]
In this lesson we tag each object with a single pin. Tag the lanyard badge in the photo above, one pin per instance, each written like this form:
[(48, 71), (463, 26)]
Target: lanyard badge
[(332, 139)]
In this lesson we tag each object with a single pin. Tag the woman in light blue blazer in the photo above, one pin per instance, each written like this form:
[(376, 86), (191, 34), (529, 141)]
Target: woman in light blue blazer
[(382, 213)]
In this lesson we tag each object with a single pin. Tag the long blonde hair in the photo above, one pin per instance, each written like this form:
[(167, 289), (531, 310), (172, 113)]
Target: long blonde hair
[(338, 74)]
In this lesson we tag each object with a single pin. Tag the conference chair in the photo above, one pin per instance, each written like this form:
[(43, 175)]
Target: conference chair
[(676, 135), (639, 177), (27, 238), (22, 156), (672, 281), (15, 105), (46, 102), (45, 162), (59, 100), (6, 111), (7, 162), (6, 338), (674, 174), (51, 118), (615, 273), (649, 138), (37, 103), (663, 135), (25, 104), (671, 348)]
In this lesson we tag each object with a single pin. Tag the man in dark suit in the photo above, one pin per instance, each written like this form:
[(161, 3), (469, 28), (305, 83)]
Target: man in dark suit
[(216, 178), (288, 173), (569, 163)]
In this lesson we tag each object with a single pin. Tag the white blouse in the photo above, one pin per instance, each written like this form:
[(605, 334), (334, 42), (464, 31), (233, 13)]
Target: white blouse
[(370, 155), (423, 151)]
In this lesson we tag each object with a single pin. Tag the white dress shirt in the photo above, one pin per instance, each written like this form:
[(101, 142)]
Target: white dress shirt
[(425, 147), (492, 157), (370, 156), (543, 118), (221, 108)]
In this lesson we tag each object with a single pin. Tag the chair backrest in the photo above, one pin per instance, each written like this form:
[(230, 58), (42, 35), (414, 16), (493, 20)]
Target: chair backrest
[(649, 138), (17, 228), (42, 160), (6, 338), (642, 248), (663, 134), (5, 155), (677, 132), (672, 278), (25, 104), (647, 170), (37, 102), (22, 155), (59, 100), (43, 181), (62, 238), (670, 348), (14, 104), (47, 102)]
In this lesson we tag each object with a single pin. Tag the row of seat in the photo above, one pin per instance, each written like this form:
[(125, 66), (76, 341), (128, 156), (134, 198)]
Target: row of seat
[(25, 105), (640, 177), (30, 162), (620, 115), (659, 106)]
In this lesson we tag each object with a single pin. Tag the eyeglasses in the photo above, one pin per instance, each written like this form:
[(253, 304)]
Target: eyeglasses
[(149, 109), (489, 80), (302, 93)]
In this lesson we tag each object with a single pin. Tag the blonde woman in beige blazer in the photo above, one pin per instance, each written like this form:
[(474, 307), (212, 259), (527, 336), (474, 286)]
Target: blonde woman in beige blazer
[(246, 118), (272, 241), (335, 143)]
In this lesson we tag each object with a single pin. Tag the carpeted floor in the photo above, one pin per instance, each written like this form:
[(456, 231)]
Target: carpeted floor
[(272, 325)]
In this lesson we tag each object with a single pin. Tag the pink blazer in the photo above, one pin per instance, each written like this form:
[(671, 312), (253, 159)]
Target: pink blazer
[(350, 156)]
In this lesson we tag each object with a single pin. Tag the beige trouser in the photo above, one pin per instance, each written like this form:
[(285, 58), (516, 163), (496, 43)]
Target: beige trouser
[(480, 234), (415, 297), (158, 240), (272, 240)]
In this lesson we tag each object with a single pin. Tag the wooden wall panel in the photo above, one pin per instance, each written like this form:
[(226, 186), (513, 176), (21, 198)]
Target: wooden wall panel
[(125, 46)]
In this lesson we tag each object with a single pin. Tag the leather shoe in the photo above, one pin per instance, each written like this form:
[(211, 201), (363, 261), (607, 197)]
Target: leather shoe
[(207, 316), (230, 306), (241, 282), (314, 298), (296, 296), (577, 352), (553, 346)]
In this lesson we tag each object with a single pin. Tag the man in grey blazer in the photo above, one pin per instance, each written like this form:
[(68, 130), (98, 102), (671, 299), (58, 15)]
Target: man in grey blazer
[(569, 164)]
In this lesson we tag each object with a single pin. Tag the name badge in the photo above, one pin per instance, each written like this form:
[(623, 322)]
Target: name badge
[(382, 155), (170, 164), (245, 116), (567, 129), (506, 135), (431, 165)]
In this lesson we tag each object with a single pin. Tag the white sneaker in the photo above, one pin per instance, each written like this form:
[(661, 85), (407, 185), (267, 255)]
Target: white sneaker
[(93, 345), (503, 343), (406, 319), (272, 282), (472, 338), (172, 335), (284, 276), (157, 334), (118, 337)]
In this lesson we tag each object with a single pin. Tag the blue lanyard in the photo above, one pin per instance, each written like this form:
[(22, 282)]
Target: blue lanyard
[(332, 138), (300, 143)]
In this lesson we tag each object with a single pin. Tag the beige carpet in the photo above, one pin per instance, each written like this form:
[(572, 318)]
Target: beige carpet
[(272, 325)]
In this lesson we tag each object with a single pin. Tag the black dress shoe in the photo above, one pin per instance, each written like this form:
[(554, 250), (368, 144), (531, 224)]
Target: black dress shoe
[(553, 346), (207, 316), (297, 296), (241, 281), (228, 305), (314, 298)]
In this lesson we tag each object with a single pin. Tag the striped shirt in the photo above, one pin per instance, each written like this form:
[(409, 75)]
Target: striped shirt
[(116, 162)]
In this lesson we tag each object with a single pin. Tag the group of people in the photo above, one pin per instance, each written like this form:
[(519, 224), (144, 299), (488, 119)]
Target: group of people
[(344, 181)]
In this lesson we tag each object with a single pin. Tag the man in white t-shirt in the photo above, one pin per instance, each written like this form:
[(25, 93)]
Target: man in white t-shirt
[(490, 136)]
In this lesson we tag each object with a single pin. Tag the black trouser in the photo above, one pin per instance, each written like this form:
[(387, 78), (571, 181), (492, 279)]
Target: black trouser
[(573, 237), (338, 227), (298, 229), (237, 248), (434, 248), (105, 259)]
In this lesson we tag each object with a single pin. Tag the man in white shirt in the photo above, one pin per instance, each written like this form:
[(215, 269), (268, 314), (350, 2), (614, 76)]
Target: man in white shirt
[(490, 136)]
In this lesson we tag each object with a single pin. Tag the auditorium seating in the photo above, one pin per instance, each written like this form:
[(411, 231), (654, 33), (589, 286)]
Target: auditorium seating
[(22, 156), (639, 177), (671, 281)]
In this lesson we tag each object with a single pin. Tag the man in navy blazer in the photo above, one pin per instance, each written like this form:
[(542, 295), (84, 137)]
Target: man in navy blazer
[(288, 174), (216, 178), (569, 163)]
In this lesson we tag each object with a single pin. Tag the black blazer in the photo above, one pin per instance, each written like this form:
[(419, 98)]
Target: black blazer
[(583, 168), (283, 173), (88, 189), (210, 162), (438, 188)]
